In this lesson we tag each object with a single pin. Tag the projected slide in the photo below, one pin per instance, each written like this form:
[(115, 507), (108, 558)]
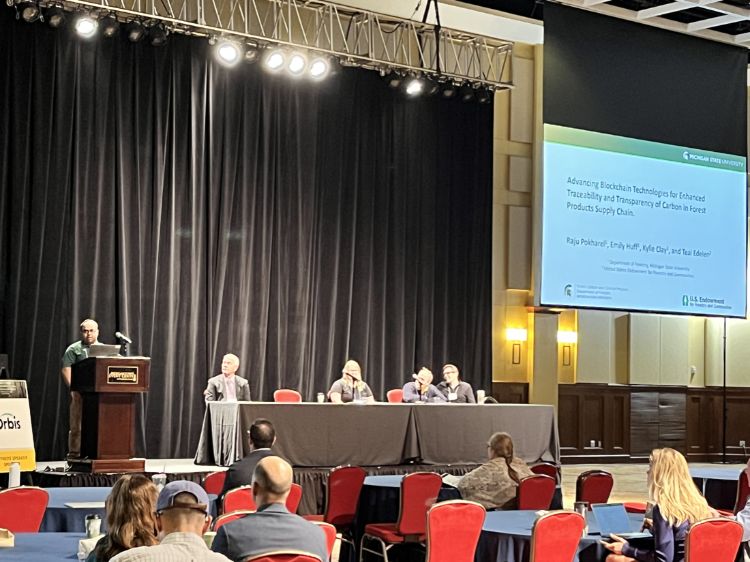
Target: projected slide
[(637, 225)]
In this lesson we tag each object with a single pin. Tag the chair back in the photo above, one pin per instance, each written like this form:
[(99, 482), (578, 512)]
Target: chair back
[(535, 492), (239, 499), (294, 497), (214, 483), (283, 556), (453, 529), (287, 395), (229, 517), (342, 494), (419, 490), (594, 486), (22, 508), (330, 532), (395, 396), (555, 536), (713, 540), (547, 468), (743, 491)]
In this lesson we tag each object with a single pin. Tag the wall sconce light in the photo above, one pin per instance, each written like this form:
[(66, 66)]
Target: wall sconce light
[(568, 339), (516, 335)]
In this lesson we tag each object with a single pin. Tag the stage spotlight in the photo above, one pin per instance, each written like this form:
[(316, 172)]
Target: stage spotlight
[(393, 79), (431, 87), (251, 55), (274, 59), (158, 36), (86, 26), (467, 93), (319, 68), (29, 11), (297, 63), (228, 52), (449, 90), (484, 96), (135, 31), (414, 86), (110, 26), (55, 17)]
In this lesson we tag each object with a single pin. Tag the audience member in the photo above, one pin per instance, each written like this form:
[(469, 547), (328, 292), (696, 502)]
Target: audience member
[(350, 387), (228, 386), (262, 438), (421, 389), (677, 505), (130, 517), (272, 527), (495, 483), (181, 519), (453, 388)]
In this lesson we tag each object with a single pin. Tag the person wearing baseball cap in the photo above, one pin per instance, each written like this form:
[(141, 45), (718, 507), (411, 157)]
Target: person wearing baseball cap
[(350, 387), (181, 519), (421, 390)]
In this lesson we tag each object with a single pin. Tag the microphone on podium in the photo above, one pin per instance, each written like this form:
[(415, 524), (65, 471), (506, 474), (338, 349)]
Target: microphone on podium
[(123, 338)]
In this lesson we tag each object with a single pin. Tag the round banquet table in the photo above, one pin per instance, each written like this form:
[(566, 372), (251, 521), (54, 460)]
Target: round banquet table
[(43, 547)]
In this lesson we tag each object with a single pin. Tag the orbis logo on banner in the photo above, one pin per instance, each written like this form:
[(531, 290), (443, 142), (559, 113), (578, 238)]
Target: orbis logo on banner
[(9, 422)]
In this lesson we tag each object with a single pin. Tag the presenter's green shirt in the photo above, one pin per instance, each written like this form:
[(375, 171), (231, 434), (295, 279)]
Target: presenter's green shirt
[(76, 352)]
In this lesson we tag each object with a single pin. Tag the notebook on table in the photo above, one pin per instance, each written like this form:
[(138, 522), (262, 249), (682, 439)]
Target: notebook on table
[(613, 520)]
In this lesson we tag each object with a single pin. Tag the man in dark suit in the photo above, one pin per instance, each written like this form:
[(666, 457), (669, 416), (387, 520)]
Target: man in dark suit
[(272, 528), (228, 386), (262, 438)]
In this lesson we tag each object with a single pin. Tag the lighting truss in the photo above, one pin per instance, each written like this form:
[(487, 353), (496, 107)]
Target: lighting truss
[(357, 37)]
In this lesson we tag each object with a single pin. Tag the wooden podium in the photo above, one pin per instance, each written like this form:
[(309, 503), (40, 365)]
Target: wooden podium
[(109, 386)]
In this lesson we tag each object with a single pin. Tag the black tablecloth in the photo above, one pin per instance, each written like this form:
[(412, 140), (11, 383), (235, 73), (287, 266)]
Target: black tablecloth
[(324, 435)]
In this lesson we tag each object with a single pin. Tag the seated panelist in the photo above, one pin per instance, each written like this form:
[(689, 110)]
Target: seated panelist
[(350, 387), (453, 388), (421, 389), (228, 386)]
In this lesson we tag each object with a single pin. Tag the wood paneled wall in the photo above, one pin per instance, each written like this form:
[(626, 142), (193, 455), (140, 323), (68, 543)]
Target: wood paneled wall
[(616, 423)]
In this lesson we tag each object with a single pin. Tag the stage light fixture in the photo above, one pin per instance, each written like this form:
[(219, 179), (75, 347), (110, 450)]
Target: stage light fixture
[(319, 68), (135, 31), (86, 26), (393, 79), (449, 90), (467, 93), (29, 11), (228, 52), (297, 64), (274, 59), (251, 55), (484, 96), (158, 36), (55, 17), (414, 86), (110, 26), (431, 87)]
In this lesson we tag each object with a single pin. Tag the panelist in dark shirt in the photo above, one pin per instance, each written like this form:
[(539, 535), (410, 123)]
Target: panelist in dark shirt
[(453, 388)]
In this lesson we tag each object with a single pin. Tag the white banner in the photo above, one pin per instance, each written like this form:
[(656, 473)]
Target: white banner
[(16, 438)]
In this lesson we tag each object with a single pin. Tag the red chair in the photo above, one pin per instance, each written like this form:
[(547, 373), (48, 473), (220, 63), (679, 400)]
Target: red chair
[(594, 486), (239, 499), (635, 507), (283, 556), (22, 508), (555, 536), (419, 490), (342, 496), (535, 492), (330, 532), (214, 483), (287, 395), (395, 396), (229, 517), (294, 497), (713, 540), (548, 469), (743, 491), (453, 529)]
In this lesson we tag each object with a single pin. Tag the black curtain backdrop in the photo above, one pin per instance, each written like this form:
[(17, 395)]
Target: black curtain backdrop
[(204, 210)]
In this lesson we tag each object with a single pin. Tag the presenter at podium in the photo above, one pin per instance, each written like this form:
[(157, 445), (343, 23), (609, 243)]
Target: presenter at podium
[(228, 386), (77, 351)]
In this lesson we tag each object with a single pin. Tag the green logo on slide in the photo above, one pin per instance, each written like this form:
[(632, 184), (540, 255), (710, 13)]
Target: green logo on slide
[(685, 300)]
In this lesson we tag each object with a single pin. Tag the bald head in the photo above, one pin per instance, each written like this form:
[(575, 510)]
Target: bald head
[(272, 480)]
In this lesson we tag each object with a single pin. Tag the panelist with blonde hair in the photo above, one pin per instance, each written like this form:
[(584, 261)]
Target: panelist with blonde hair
[(350, 387), (678, 504)]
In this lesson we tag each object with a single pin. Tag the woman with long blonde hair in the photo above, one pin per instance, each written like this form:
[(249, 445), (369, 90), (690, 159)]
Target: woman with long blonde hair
[(350, 387), (677, 505), (131, 508)]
